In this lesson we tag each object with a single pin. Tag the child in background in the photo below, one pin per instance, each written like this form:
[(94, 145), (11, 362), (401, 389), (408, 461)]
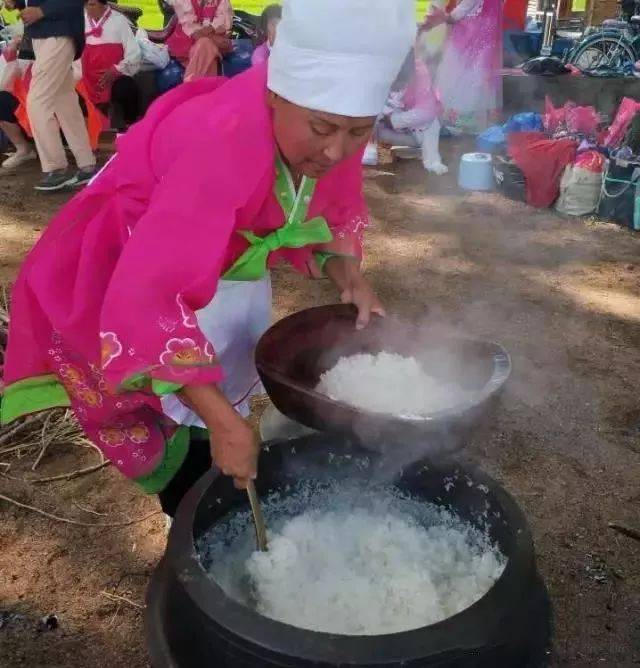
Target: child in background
[(412, 115), (269, 25)]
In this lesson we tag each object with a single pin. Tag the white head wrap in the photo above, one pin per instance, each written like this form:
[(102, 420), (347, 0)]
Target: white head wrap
[(341, 56)]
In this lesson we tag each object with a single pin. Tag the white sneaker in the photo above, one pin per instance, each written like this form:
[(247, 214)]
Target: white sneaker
[(436, 168), (19, 158)]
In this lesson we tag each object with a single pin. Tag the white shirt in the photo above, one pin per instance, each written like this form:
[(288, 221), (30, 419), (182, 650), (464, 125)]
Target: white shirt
[(117, 30)]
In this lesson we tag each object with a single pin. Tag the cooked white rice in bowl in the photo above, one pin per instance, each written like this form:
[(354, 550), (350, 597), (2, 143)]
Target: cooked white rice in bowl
[(388, 383)]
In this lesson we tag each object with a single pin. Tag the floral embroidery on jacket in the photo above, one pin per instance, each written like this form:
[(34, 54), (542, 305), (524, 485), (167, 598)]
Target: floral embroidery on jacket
[(110, 348), (112, 436), (188, 317), (181, 352)]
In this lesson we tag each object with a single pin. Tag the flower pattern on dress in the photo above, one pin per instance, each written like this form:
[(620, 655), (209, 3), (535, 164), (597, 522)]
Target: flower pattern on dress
[(112, 436), (209, 352), (139, 433), (110, 348), (181, 352), (71, 374), (188, 316), (167, 324), (86, 395)]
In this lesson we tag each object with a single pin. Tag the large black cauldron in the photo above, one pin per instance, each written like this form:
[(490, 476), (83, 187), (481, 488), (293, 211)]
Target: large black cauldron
[(191, 623)]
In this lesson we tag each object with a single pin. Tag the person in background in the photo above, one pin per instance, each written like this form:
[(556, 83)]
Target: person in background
[(412, 115), (9, 104), (269, 20), (56, 29), (201, 37), (9, 125), (111, 57), (143, 301), (468, 74)]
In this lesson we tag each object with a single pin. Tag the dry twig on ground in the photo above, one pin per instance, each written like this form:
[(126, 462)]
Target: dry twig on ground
[(123, 599), (625, 530), (67, 520)]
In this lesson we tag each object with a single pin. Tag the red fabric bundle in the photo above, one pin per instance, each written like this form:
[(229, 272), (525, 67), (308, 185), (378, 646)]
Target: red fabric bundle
[(542, 162)]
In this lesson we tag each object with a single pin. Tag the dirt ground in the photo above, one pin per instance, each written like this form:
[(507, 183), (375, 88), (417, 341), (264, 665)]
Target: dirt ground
[(562, 295)]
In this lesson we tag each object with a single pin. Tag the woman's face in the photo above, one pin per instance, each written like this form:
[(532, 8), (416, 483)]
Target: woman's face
[(312, 142), (95, 9)]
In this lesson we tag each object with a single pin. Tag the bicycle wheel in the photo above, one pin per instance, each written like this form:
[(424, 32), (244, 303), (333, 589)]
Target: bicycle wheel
[(604, 51)]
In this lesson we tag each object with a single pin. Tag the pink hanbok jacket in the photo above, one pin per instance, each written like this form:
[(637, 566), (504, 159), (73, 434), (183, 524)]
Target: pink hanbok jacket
[(102, 314)]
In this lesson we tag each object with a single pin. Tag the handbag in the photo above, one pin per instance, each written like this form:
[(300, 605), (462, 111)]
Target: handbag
[(620, 194)]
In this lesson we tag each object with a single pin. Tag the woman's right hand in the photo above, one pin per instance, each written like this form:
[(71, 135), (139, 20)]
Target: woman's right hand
[(234, 450), (435, 18), (234, 445)]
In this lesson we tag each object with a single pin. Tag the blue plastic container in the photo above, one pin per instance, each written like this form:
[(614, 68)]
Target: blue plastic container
[(239, 59), (476, 172)]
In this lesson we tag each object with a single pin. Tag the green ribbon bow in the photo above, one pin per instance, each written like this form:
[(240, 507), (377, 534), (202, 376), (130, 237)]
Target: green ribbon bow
[(252, 264), (295, 233)]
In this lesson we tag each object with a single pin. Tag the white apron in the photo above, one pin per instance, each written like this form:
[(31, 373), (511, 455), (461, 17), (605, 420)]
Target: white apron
[(233, 322)]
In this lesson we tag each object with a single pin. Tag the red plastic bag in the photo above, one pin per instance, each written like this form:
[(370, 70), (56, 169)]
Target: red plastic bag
[(542, 162), (618, 129), (592, 161)]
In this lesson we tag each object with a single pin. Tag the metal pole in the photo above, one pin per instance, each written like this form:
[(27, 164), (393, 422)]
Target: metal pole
[(548, 34)]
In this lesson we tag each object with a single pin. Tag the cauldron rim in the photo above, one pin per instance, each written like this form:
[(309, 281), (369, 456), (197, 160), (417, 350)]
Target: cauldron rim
[(502, 368), (263, 633)]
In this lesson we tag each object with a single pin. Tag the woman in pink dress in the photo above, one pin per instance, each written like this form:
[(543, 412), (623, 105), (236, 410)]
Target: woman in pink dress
[(142, 302), (468, 77), (201, 36)]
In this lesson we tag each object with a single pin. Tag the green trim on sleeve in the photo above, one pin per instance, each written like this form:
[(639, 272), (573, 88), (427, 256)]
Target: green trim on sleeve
[(162, 387), (322, 257), (32, 395), (174, 455)]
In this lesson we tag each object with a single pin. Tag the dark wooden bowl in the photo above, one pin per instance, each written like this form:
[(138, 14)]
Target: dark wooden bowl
[(292, 355)]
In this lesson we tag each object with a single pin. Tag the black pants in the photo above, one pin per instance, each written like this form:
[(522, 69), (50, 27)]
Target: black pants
[(8, 105), (125, 97), (196, 464)]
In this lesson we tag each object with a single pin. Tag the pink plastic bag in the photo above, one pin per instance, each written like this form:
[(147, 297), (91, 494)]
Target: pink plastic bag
[(626, 111), (584, 120), (576, 119), (552, 118), (592, 161)]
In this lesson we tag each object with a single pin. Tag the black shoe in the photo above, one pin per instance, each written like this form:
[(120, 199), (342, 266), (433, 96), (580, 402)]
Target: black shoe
[(53, 181), (83, 176)]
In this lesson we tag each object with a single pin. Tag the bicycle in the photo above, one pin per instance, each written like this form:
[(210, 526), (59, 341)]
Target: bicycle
[(613, 46)]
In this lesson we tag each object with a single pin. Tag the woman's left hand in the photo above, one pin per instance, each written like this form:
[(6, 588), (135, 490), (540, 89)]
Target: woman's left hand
[(354, 288), (362, 296)]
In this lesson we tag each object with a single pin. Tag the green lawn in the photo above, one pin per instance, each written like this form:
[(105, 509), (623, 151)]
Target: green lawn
[(152, 18)]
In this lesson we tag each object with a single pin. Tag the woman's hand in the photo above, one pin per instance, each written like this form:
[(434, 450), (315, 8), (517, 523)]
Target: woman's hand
[(205, 31), (234, 445), (435, 18), (31, 15), (235, 450), (354, 288), (107, 78)]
